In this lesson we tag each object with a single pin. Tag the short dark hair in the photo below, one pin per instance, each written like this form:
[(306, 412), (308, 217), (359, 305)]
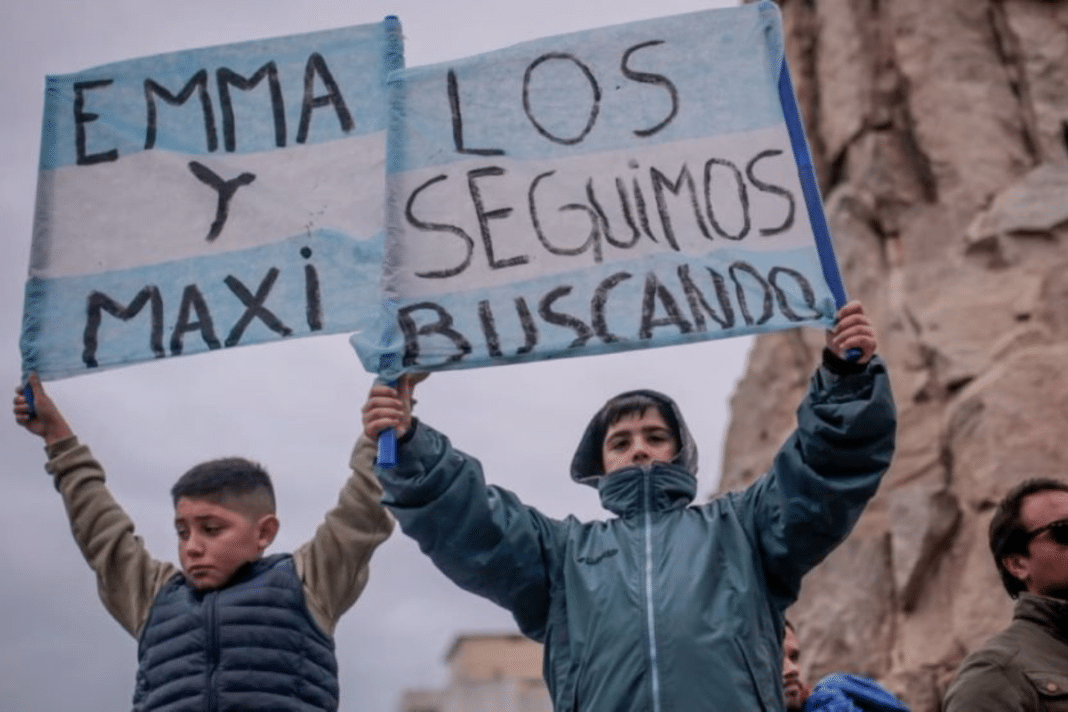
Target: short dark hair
[(631, 403), (1007, 533), (225, 478)]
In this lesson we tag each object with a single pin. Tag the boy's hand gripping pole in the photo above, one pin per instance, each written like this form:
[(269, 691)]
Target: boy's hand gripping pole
[(27, 393)]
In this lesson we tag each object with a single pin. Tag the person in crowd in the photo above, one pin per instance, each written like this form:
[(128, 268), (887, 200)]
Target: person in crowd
[(837, 692), (230, 628), (1024, 668)]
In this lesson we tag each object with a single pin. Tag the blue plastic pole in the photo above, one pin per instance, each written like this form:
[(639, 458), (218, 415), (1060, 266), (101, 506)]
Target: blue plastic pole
[(810, 190), (387, 439), (27, 393)]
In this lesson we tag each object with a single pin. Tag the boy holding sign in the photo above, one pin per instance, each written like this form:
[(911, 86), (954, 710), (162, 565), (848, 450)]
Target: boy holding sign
[(667, 606), (231, 628)]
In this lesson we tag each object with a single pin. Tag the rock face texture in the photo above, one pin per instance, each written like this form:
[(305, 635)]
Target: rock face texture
[(940, 134)]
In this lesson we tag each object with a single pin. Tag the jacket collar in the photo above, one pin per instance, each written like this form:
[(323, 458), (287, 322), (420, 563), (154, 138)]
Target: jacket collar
[(1050, 613), (660, 487)]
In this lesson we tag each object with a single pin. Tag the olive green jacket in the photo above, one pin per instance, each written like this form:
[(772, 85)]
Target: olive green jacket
[(1024, 668)]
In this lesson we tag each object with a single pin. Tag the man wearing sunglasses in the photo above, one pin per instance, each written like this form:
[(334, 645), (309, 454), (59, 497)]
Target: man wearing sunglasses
[(1024, 668)]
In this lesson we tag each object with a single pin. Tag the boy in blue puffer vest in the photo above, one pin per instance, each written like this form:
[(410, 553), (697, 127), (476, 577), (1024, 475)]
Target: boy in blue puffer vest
[(668, 606), (231, 629)]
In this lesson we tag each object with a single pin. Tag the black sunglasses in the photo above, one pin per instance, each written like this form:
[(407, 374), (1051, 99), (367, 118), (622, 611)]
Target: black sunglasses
[(1058, 532)]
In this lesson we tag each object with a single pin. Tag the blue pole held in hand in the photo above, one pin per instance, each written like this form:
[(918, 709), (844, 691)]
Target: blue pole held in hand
[(27, 393), (387, 439), (806, 173), (387, 444)]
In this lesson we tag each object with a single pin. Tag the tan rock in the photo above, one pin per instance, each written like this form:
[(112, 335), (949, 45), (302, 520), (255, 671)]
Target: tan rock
[(846, 611), (1034, 204), (1039, 33), (940, 134), (1010, 424), (922, 523), (966, 121)]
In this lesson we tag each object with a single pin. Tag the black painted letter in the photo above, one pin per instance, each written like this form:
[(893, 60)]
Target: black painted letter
[(647, 78), (760, 185), (443, 326), (83, 117), (317, 65), (225, 189), (484, 216), (99, 302), (227, 78), (254, 308), (199, 84), (595, 107), (458, 122)]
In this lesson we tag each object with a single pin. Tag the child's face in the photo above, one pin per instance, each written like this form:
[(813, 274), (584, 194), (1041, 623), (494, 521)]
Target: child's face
[(638, 439), (215, 541)]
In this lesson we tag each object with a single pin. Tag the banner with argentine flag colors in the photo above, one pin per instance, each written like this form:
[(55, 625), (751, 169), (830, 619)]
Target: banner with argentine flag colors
[(639, 185), (209, 198)]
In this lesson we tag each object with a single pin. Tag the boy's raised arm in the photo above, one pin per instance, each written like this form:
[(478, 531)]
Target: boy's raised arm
[(127, 576), (482, 537), (831, 465), (334, 564)]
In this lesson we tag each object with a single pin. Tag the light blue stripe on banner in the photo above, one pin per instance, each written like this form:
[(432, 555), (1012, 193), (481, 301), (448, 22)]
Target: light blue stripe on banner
[(637, 84), (655, 301), (103, 113), (321, 283)]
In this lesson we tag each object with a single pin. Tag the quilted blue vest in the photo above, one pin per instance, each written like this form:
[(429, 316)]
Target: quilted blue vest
[(249, 646)]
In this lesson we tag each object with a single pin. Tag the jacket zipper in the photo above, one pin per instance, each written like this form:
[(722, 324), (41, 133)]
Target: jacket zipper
[(650, 622), (211, 621)]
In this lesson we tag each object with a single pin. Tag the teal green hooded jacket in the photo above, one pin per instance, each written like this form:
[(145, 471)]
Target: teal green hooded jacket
[(668, 606)]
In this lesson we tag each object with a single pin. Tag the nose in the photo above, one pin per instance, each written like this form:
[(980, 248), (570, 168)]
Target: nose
[(193, 546), (640, 453)]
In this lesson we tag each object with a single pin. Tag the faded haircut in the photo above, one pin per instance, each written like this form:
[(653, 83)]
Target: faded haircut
[(233, 482), (1007, 533)]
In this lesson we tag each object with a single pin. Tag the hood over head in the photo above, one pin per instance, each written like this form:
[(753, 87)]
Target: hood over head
[(586, 466)]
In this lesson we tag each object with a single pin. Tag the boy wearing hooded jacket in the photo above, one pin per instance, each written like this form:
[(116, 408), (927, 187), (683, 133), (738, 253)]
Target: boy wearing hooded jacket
[(668, 607)]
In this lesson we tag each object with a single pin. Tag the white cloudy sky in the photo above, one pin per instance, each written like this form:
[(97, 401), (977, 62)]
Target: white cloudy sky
[(293, 406)]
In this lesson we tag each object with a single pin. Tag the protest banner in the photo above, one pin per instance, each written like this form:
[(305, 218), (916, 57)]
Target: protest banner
[(209, 198), (633, 186)]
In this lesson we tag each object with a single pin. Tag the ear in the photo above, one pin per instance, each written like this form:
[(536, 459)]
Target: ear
[(1019, 566), (266, 530)]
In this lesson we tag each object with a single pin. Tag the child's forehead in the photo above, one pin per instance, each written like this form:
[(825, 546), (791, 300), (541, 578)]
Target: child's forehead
[(190, 507), (639, 410), (649, 416)]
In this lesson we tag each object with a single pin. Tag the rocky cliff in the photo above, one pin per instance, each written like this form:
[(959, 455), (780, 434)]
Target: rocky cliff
[(940, 133)]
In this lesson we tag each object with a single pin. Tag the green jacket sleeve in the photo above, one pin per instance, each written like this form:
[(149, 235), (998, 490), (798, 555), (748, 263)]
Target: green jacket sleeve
[(824, 475), (482, 537)]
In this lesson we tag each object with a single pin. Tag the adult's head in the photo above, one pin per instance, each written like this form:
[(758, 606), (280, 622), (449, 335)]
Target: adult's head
[(795, 691), (633, 428), (1029, 538), (224, 514)]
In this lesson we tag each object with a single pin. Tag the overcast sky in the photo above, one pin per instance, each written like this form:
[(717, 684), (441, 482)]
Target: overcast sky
[(293, 406)]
